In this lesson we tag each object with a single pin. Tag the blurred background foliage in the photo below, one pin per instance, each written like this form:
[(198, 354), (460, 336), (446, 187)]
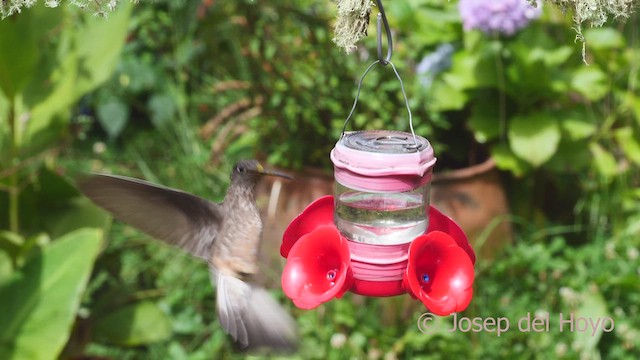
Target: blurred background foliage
[(176, 91)]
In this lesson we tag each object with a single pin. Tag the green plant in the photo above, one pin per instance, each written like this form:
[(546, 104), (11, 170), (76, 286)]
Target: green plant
[(56, 57), (55, 61), (267, 100), (531, 100), (40, 298), (304, 92), (151, 79)]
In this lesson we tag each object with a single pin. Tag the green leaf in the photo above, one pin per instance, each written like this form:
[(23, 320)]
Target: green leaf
[(534, 137), (137, 74), (163, 109), (604, 161), (66, 210), (6, 266), (4, 129), (557, 56), (22, 35), (578, 127), (136, 324), (461, 76), (11, 243), (594, 308), (506, 160), (82, 56), (51, 203), (471, 70), (534, 46), (629, 144), (74, 214), (631, 103), (41, 299), (485, 118), (590, 82), (32, 245), (571, 156), (99, 45), (446, 97), (604, 38), (54, 188), (50, 94), (113, 115)]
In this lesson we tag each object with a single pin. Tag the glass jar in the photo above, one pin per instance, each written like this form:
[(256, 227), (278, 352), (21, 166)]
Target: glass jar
[(382, 186)]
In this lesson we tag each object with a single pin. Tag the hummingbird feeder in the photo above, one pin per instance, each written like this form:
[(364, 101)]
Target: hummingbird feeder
[(378, 235)]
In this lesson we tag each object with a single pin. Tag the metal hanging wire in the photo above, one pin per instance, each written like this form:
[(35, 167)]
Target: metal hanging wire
[(382, 20)]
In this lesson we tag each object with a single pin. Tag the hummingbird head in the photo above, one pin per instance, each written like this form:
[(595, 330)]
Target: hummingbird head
[(250, 170)]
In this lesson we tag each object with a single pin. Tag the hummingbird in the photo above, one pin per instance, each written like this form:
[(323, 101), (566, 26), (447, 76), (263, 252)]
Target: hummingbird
[(226, 235)]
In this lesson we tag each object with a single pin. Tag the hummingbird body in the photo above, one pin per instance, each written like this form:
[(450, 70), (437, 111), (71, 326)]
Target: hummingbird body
[(226, 235), (242, 221)]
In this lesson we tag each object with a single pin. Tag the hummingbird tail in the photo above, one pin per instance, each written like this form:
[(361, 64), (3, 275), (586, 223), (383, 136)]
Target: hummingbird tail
[(251, 316)]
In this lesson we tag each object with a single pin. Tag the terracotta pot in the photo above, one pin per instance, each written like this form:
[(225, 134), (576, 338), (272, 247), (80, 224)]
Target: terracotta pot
[(474, 197)]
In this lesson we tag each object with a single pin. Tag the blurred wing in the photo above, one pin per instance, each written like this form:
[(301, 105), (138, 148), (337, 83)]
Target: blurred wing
[(173, 216), (251, 316)]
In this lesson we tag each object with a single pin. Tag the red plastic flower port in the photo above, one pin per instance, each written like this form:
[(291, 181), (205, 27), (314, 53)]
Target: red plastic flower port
[(317, 268), (440, 273), (318, 213)]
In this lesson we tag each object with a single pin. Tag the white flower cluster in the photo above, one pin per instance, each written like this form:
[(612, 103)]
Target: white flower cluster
[(352, 22), (596, 12), (96, 7), (14, 6)]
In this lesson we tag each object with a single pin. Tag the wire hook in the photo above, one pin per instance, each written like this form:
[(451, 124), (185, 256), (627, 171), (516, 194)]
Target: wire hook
[(382, 19), (404, 95)]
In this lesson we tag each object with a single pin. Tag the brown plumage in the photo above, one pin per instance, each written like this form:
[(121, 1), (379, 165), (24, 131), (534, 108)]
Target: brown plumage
[(227, 235)]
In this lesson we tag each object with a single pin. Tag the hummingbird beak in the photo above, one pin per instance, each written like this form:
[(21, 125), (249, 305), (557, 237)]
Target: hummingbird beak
[(262, 171)]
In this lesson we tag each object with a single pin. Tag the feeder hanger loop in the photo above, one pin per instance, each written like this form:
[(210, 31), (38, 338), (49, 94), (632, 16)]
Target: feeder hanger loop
[(382, 19)]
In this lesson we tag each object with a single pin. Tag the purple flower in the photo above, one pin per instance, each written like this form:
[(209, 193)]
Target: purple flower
[(497, 16)]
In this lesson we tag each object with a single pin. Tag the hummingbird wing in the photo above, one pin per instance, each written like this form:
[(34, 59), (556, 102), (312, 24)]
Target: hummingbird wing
[(251, 316), (173, 216)]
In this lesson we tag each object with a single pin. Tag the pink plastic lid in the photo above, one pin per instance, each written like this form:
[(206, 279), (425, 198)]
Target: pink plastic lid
[(382, 160)]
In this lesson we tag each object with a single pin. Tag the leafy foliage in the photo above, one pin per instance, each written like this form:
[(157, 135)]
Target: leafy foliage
[(535, 72), (270, 99), (40, 298), (57, 57)]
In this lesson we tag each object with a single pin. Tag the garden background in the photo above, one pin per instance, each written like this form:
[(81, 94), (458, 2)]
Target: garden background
[(176, 91)]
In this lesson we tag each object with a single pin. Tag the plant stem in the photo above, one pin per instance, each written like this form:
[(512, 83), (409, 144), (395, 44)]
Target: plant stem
[(634, 45), (502, 101), (14, 225), (14, 204)]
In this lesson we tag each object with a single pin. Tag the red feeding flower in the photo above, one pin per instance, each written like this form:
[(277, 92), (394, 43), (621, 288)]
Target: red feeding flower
[(440, 273), (317, 268)]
